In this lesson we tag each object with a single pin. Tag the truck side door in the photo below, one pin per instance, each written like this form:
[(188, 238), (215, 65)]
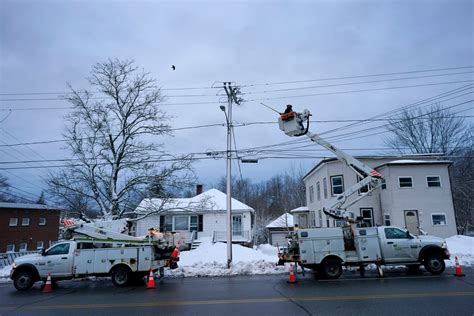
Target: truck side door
[(396, 245), (57, 260)]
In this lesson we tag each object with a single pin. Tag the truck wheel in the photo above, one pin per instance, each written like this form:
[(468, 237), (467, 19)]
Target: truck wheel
[(23, 281), (121, 276), (331, 268), (434, 264)]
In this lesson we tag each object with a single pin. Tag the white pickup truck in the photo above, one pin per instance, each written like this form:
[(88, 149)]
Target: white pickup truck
[(125, 261), (326, 250)]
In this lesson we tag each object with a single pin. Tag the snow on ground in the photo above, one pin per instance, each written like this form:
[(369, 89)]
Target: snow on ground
[(211, 260), (5, 273), (463, 248)]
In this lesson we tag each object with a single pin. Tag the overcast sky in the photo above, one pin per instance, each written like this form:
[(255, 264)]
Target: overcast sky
[(45, 44)]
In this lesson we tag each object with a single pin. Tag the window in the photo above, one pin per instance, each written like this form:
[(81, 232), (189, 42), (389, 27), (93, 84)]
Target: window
[(405, 182), (39, 245), (23, 246), (59, 249), (311, 194), (386, 220), (193, 223), (318, 191), (320, 218), (395, 233), (325, 188), (337, 185), (438, 219), (384, 184), (25, 221), (10, 248), (42, 221), (339, 223), (181, 223), (433, 181), (365, 188), (367, 217), (13, 222)]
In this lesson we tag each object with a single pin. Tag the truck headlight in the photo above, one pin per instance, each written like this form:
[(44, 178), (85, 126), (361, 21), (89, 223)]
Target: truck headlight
[(13, 266)]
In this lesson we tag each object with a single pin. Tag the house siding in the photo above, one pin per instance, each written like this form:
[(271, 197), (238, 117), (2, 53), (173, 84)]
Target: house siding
[(393, 200)]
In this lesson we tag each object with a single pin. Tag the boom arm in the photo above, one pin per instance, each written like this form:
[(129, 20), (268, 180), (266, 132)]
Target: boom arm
[(336, 207)]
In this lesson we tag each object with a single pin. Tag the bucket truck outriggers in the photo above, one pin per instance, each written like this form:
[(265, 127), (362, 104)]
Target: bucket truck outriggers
[(326, 250), (93, 251)]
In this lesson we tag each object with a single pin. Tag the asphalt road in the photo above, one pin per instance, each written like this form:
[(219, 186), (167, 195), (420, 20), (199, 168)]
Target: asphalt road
[(396, 294)]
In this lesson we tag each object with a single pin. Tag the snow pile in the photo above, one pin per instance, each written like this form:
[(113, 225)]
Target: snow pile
[(463, 248), (211, 260), (5, 273)]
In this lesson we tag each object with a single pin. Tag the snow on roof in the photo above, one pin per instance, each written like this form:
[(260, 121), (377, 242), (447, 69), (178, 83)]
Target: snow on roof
[(414, 162), (285, 220), (28, 206), (210, 200), (300, 209)]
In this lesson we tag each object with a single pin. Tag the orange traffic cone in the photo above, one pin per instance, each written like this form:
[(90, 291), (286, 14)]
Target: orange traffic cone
[(175, 253), (151, 280), (48, 287), (292, 274), (458, 272)]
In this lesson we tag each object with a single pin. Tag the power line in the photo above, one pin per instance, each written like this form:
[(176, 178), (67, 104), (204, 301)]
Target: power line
[(355, 77), (356, 83), (362, 90)]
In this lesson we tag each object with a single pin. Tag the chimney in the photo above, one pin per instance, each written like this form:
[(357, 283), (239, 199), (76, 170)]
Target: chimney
[(198, 189)]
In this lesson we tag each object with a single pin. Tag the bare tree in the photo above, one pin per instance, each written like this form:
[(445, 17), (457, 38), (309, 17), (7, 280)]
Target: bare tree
[(436, 130), (5, 195), (107, 135)]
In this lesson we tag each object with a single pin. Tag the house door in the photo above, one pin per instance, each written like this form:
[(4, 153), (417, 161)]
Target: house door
[(303, 220), (411, 222), (237, 225)]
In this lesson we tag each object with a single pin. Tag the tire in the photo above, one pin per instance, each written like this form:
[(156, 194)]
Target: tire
[(434, 264), (121, 276), (23, 281), (331, 268)]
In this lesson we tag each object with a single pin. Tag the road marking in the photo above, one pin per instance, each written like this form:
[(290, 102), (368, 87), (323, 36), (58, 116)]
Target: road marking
[(245, 301)]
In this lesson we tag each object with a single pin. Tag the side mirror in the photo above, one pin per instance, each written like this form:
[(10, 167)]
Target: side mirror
[(43, 251), (408, 235)]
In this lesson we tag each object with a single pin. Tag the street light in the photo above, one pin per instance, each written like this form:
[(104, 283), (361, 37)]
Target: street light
[(229, 184)]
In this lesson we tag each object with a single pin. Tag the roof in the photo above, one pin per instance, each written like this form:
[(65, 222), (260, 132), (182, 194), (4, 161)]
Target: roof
[(300, 209), (28, 206), (432, 156), (416, 162), (285, 220), (212, 200)]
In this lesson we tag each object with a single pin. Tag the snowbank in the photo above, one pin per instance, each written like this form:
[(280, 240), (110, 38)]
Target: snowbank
[(211, 260), (5, 273), (463, 248)]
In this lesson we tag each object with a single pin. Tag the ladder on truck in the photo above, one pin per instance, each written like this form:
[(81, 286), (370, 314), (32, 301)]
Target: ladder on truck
[(336, 207)]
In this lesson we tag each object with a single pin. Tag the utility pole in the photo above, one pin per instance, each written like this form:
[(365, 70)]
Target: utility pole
[(232, 93)]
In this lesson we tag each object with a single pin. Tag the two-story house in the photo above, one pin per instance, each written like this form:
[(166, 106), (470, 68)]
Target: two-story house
[(415, 193)]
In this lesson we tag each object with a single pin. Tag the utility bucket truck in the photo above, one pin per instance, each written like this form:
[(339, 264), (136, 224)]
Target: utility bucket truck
[(326, 250), (93, 251)]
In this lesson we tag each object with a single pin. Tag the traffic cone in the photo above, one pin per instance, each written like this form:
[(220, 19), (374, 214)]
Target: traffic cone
[(458, 272), (292, 274), (175, 253), (151, 281), (48, 287)]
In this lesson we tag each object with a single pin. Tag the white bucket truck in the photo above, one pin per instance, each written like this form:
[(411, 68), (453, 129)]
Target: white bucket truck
[(92, 251), (326, 250)]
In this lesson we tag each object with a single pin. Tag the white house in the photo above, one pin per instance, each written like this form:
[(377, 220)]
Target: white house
[(202, 216), (279, 228), (415, 193)]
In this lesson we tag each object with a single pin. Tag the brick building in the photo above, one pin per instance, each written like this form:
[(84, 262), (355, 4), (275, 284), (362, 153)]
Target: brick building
[(27, 227)]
